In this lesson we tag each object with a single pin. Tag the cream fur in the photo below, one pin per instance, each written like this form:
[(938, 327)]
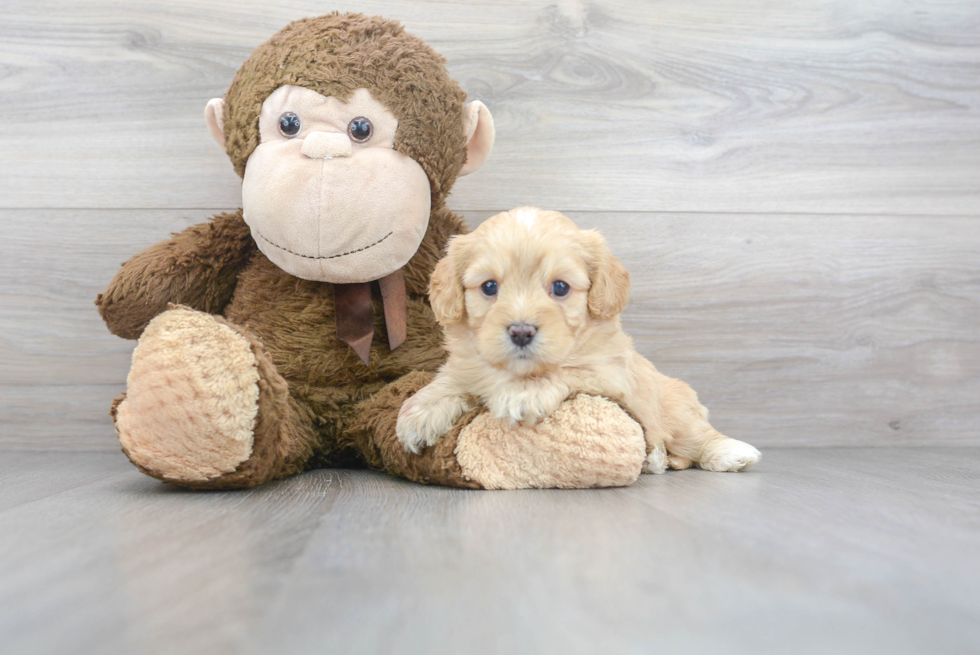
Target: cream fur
[(324, 145), (191, 398), (579, 345), (291, 182), (323, 208)]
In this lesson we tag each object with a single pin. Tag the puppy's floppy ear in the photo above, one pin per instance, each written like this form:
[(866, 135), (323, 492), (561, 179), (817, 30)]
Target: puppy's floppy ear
[(446, 288), (610, 290)]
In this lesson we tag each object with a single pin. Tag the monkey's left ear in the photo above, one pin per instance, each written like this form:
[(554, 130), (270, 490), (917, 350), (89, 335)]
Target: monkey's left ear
[(478, 129), (214, 116)]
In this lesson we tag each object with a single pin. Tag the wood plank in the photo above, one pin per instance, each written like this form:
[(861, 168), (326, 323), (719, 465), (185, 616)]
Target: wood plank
[(798, 330), (795, 330), (53, 264), (819, 107), (58, 416), (134, 566), (815, 551), (26, 477)]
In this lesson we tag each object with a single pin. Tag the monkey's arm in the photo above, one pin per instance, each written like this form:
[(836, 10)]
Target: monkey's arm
[(197, 267)]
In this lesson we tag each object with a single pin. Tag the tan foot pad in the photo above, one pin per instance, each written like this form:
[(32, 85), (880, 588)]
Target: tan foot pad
[(191, 399), (588, 442)]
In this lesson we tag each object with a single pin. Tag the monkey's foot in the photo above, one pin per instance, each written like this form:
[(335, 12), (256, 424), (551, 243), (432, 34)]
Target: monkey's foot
[(587, 442), (192, 398)]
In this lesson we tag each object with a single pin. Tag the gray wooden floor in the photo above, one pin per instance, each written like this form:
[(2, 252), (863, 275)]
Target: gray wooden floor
[(817, 550)]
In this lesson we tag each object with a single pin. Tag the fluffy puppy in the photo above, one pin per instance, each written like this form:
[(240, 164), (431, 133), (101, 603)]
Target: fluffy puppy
[(530, 305)]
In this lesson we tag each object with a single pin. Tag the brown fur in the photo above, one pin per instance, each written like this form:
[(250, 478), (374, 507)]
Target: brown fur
[(310, 382), (307, 374), (374, 430), (198, 267), (398, 68)]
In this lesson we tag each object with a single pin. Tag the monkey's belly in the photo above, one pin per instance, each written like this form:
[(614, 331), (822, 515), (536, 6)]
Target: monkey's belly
[(294, 318)]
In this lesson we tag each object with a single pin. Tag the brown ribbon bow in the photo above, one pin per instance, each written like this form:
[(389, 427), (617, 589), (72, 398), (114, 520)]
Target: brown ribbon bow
[(355, 315)]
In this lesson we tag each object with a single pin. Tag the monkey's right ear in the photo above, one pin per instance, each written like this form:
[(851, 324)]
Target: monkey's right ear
[(446, 293), (214, 116), (479, 133)]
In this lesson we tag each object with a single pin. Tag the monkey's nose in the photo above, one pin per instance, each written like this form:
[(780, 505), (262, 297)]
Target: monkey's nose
[(321, 145), (521, 333)]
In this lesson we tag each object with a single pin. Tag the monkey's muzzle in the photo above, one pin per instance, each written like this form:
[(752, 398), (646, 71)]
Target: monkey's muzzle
[(323, 145)]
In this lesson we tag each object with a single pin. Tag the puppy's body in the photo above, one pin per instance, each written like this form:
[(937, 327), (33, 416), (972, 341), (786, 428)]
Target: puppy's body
[(530, 306)]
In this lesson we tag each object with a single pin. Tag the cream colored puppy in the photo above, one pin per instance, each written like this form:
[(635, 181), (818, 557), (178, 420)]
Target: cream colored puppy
[(530, 305)]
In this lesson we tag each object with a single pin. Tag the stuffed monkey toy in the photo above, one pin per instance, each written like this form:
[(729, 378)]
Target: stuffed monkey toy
[(285, 336)]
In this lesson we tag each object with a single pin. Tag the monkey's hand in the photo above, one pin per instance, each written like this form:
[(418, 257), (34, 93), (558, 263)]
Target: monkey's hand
[(197, 267)]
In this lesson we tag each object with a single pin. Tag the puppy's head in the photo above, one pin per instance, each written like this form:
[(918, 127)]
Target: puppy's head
[(525, 283)]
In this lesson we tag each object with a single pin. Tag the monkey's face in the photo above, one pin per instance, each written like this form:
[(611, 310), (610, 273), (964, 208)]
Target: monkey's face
[(325, 193)]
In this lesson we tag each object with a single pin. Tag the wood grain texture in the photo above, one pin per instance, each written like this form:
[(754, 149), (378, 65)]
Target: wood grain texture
[(854, 328), (815, 551), (795, 330), (26, 477), (823, 107)]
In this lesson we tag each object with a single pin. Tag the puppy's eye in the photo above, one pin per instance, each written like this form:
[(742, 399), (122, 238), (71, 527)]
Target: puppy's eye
[(489, 288), (360, 129), (560, 288), (289, 125)]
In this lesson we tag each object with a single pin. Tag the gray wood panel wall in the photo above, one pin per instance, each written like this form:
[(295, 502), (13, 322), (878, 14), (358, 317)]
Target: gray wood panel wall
[(795, 188)]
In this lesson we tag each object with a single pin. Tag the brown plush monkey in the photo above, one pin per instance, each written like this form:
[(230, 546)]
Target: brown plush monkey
[(285, 336)]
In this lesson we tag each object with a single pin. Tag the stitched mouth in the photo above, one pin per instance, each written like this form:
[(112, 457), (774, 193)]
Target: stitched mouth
[(342, 254)]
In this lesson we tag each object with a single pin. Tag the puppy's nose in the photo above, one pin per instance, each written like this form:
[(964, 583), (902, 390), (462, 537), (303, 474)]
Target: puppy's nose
[(521, 333), (323, 145)]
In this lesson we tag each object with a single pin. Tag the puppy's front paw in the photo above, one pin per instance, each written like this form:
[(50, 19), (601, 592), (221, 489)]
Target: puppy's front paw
[(529, 405), (730, 455), (517, 409), (422, 424)]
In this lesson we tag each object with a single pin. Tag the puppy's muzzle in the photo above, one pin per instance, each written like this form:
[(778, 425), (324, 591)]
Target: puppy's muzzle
[(521, 333)]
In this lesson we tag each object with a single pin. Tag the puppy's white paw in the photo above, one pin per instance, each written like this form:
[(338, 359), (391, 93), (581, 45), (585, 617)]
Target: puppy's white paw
[(656, 461), (518, 409), (512, 407), (730, 455), (529, 405), (423, 424)]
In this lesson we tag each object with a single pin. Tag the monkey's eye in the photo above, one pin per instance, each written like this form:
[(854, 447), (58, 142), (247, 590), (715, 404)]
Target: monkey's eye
[(289, 125), (560, 288), (489, 288), (360, 129)]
